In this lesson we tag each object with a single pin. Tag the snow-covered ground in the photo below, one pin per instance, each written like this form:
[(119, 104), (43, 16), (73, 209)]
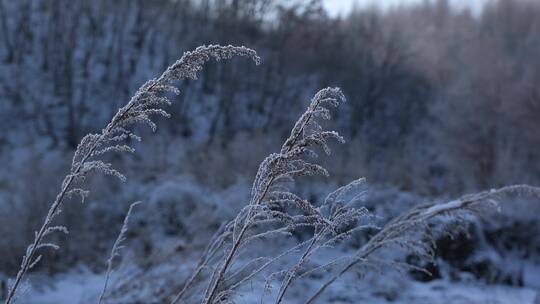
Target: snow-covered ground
[(77, 286), (83, 286)]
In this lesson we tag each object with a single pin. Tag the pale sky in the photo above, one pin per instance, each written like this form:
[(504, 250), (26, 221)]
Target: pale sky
[(343, 6)]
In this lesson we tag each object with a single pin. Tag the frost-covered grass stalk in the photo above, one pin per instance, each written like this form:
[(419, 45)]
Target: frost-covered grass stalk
[(411, 231), (277, 167), (143, 106), (274, 211), (115, 251), (342, 221)]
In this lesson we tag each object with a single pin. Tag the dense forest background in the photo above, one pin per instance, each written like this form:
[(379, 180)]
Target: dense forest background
[(440, 102)]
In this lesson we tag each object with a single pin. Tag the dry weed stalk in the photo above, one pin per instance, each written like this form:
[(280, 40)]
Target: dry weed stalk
[(143, 106)]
